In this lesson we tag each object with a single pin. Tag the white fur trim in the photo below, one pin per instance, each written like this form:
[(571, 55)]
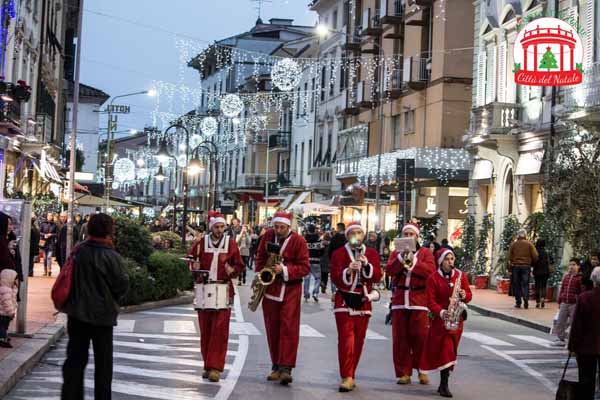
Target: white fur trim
[(440, 259), (411, 228), (442, 314), (281, 295), (353, 313), (450, 364), (347, 277), (216, 220), (354, 227), (410, 308), (286, 275), (282, 220)]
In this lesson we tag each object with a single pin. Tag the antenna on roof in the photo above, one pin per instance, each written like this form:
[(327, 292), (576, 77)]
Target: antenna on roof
[(259, 5)]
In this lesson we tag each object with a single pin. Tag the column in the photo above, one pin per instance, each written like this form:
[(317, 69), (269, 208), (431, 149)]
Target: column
[(572, 51), (525, 57), (562, 50), (535, 60)]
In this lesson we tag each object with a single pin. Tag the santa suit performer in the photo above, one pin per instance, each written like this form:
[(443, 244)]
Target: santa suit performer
[(282, 300), (355, 268), (218, 254), (441, 347), (410, 315)]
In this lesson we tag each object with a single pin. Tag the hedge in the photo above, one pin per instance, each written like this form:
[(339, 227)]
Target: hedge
[(132, 240)]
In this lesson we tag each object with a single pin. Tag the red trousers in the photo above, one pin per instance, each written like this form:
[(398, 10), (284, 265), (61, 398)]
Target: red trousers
[(351, 338), (282, 323), (214, 335), (409, 331)]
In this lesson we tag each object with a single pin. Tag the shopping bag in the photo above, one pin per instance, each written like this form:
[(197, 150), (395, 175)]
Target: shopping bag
[(568, 390), (554, 323)]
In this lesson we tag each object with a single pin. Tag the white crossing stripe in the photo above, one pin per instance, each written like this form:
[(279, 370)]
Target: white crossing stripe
[(125, 325), (179, 327), (533, 339), (243, 328), (536, 352), (309, 331), (485, 339), (194, 338), (372, 335), (192, 314), (544, 361), (152, 346)]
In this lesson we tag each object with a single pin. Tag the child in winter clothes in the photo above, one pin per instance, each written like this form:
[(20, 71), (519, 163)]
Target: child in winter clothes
[(9, 287), (570, 288)]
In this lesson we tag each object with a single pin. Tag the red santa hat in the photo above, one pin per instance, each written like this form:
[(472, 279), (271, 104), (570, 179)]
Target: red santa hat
[(411, 226), (283, 218), (215, 218), (353, 226), (441, 254)]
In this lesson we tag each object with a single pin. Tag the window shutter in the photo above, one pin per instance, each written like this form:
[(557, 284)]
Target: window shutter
[(491, 77), (502, 82), (407, 71), (587, 21), (481, 67)]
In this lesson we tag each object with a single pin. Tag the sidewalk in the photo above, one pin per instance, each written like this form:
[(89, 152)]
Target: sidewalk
[(493, 304), (43, 330)]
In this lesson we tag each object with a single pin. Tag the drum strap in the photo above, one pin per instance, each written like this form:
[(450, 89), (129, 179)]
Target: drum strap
[(223, 248)]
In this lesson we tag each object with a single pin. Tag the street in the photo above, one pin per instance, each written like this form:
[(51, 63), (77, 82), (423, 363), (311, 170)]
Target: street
[(157, 356)]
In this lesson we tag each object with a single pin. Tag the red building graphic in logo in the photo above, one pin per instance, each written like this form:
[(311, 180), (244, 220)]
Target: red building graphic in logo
[(548, 52)]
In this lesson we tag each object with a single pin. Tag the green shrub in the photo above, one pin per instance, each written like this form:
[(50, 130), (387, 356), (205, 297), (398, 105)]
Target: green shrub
[(170, 272), (172, 238), (132, 240), (141, 284)]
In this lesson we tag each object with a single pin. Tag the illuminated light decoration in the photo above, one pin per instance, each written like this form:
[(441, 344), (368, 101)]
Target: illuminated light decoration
[(209, 126), (149, 212), (124, 170), (195, 141), (232, 105), (286, 74), (181, 160), (116, 185), (444, 164)]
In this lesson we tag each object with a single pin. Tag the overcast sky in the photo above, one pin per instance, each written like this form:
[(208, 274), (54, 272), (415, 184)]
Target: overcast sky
[(128, 44)]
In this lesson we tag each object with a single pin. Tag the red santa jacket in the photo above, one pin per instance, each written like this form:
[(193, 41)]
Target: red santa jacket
[(296, 265), (440, 288), (346, 279), (411, 283), (227, 253)]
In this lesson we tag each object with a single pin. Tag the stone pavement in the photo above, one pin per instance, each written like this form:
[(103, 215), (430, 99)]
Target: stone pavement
[(491, 303)]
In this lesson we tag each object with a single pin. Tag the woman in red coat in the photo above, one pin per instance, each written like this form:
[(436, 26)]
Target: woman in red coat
[(441, 347), (354, 270)]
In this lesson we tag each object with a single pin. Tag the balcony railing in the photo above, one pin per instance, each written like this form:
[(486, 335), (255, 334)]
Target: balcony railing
[(371, 23), (391, 12), (495, 118), (416, 69), (586, 94), (347, 167), (279, 142), (253, 180)]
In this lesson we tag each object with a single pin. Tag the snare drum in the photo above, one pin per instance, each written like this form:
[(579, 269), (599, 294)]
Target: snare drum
[(212, 296)]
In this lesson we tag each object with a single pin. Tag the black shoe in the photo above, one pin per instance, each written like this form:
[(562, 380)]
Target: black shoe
[(444, 391), (315, 298), (5, 344), (285, 376), (543, 304), (517, 306), (526, 305), (306, 299), (323, 289)]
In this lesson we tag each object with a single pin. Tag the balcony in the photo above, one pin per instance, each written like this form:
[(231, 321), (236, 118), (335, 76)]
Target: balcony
[(391, 12), (347, 167), (398, 86), (494, 118), (416, 72), (371, 23), (364, 97), (582, 101), (353, 41), (279, 142), (352, 145), (253, 181)]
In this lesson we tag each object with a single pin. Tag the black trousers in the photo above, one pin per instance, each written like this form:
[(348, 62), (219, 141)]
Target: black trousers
[(80, 334), (541, 284), (242, 277), (587, 375), (324, 278)]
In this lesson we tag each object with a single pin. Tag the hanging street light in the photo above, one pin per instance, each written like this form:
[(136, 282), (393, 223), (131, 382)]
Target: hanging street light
[(163, 154), (160, 175)]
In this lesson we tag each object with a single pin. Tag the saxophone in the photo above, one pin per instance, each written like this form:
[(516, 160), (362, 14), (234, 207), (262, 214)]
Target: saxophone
[(456, 307), (264, 278)]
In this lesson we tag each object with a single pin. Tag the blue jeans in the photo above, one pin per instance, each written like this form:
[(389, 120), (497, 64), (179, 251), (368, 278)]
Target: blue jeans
[(48, 259), (315, 274), (521, 282)]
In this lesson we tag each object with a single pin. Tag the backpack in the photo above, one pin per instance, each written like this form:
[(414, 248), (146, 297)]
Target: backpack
[(64, 282)]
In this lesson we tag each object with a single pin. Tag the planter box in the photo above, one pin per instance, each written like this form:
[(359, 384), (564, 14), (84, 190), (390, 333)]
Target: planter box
[(503, 285), (550, 294), (482, 281)]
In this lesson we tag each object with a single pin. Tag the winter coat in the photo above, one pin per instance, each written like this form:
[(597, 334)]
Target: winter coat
[(315, 247), (8, 293), (522, 253), (325, 264), (48, 228), (570, 288), (7, 260), (585, 328), (541, 267), (61, 243), (100, 281), (337, 241), (244, 243), (34, 245)]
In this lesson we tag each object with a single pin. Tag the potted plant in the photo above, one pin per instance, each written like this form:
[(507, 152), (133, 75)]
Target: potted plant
[(553, 285), (481, 278), (502, 284)]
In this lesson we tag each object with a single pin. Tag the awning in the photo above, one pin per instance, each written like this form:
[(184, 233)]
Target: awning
[(484, 169), (89, 200), (299, 200), (530, 163), (319, 208), (286, 202), (51, 173)]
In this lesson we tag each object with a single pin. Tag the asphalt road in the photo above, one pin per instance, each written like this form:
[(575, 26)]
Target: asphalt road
[(157, 357)]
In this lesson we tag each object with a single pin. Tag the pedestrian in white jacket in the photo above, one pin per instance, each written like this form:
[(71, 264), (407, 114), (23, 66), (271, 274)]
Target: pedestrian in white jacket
[(9, 286)]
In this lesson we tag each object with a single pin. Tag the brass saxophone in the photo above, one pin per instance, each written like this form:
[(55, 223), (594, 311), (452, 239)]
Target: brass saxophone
[(264, 278), (456, 307)]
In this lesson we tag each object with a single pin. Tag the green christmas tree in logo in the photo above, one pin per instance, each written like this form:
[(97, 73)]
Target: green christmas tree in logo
[(548, 60)]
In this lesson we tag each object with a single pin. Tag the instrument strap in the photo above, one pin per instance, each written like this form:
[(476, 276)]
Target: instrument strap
[(566, 366)]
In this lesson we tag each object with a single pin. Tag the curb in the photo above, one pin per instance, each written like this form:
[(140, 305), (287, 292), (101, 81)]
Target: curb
[(18, 364), (176, 301), (510, 318)]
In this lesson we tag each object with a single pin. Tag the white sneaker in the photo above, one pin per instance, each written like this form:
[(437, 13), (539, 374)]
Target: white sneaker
[(558, 343)]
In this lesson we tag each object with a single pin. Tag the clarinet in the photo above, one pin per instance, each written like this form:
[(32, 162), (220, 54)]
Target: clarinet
[(357, 252)]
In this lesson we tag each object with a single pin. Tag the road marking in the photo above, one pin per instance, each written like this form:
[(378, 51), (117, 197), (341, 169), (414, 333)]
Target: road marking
[(541, 378), (179, 327), (168, 314), (309, 331), (125, 325), (153, 346), (372, 335), (544, 361), (243, 328), (485, 339), (533, 352), (533, 339)]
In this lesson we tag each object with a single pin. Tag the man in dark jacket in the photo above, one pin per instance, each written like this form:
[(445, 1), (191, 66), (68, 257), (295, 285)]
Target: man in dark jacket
[(61, 242), (48, 233), (34, 245), (100, 281), (315, 251), (338, 240)]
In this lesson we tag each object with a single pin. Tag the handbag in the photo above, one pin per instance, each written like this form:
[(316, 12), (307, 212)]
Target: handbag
[(64, 282), (42, 243), (568, 390)]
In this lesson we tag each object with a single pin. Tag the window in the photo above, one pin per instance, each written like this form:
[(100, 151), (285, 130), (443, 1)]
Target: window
[(230, 168), (304, 102), (323, 82), (334, 22), (312, 96), (396, 130), (244, 165), (343, 78), (302, 164), (409, 122), (331, 76), (346, 13), (295, 159), (298, 103), (309, 154)]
